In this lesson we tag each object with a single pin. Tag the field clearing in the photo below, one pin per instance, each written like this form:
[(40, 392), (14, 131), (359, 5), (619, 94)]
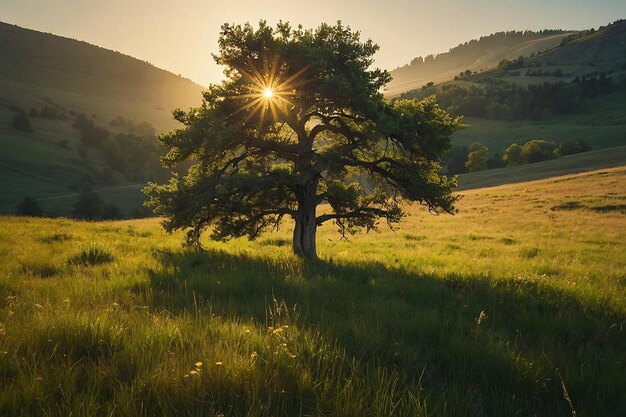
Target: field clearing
[(489, 312)]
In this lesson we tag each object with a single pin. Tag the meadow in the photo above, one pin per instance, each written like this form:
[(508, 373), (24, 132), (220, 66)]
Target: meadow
[(513, 306)]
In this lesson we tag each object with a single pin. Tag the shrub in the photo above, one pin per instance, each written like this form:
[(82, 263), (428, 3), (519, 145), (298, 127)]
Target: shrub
[(113, 155), (573, 146), (92, 254), (539, 150), (88, 206), (477, 158), (111, 212), (29, 207), (39, 269), (455, 160), (513, 155)]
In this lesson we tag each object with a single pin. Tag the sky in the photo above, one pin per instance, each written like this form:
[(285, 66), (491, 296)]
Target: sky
[(180, 35)]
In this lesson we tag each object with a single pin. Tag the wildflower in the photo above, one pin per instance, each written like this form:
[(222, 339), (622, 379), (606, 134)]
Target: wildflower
[(193, 372), (482, 316), (219, 364), (198, 364)]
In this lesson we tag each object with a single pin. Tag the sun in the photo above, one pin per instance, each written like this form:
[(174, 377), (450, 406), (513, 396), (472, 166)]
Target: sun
[(269, 91)]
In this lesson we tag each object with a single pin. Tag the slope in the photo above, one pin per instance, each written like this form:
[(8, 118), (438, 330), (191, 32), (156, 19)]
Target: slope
[(40, 68), (41, 71), (576, 90), (475, 55)]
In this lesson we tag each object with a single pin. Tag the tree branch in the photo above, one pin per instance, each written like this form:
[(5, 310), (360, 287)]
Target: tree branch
[(363, 212)]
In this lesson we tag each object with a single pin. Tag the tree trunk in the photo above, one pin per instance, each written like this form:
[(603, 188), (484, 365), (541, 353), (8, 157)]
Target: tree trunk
[(306, 224)]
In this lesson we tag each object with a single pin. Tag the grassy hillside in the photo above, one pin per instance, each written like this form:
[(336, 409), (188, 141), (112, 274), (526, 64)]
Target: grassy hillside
[(41, 68), (574, 53), (602, 51), (597, 117), (602, 126), (35, 164), (570, 164), (476, 55), (495, 311)]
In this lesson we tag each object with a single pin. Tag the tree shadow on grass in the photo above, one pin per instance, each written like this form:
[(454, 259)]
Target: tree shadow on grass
[(426, 328)]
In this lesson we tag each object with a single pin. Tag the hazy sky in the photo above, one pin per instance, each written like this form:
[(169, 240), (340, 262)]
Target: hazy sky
[(179, 35)]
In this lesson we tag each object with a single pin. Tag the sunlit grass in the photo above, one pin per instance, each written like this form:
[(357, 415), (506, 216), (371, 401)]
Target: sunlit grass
[(467, 315)]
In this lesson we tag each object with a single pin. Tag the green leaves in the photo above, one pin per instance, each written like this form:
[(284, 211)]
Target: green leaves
[(326, 134)]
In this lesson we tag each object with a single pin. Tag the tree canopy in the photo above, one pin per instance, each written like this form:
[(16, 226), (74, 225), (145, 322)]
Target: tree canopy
[(300, 120)]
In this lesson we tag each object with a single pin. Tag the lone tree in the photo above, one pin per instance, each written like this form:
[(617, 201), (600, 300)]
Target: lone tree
[(301, 120)]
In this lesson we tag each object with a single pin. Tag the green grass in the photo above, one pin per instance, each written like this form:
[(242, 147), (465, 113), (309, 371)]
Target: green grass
[(92, 254), (485, 313)]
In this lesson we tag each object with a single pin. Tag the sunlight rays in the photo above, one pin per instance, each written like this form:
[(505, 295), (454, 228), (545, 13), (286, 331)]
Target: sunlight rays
[(268, 93)]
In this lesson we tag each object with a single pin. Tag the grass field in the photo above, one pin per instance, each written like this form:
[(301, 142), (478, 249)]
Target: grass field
[(514, 306)]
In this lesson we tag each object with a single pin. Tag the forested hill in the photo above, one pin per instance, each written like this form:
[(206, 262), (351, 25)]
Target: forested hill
[(475, 55), (587, 65), (38, 68)]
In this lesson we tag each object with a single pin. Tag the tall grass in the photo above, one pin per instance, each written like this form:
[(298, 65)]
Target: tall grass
[(92, 254), (500, 310)]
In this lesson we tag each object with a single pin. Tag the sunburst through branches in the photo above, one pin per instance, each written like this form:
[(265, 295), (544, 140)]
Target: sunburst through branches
[(269, 90)]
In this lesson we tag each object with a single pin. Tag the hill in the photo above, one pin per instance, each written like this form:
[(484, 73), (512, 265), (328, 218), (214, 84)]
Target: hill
[(43, 69), (601, 51), (570, 164), (576, 90), (53, 80), (476, 55), (497, 310), (51, 164)]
